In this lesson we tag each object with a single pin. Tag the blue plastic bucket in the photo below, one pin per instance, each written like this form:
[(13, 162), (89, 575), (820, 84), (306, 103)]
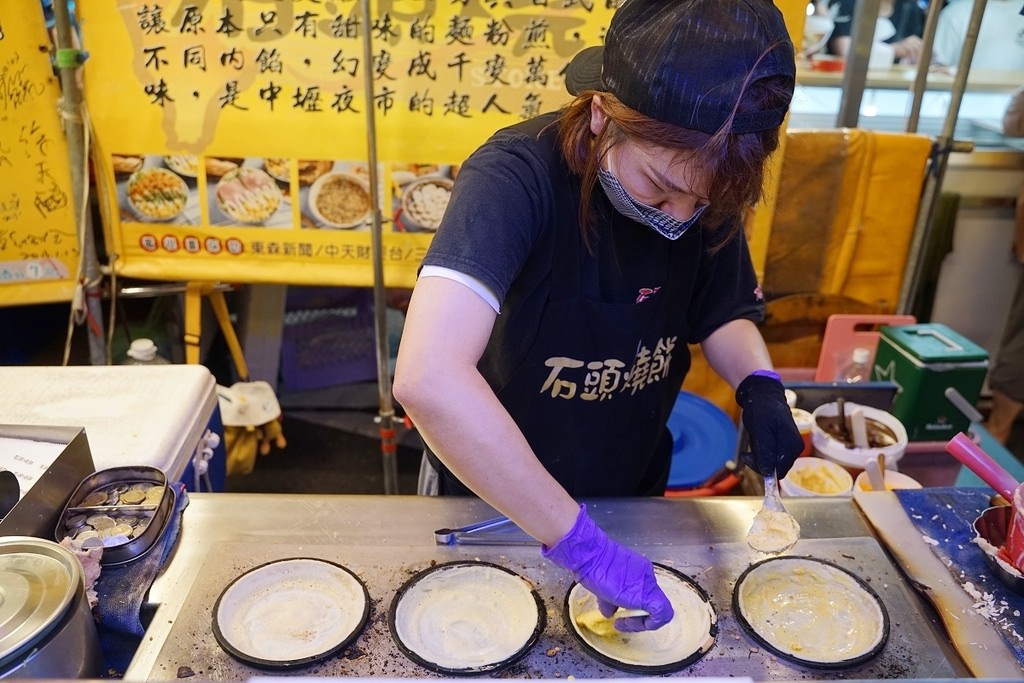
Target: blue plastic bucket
[(703, 439)]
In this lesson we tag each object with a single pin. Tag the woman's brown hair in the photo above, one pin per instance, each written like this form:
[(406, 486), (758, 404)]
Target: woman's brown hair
[(734, 164)]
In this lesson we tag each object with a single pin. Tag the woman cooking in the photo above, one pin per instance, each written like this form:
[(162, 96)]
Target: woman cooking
[(546, 338)]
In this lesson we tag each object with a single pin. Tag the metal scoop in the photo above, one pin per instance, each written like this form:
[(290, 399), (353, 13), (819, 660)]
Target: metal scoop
[(774, 530)]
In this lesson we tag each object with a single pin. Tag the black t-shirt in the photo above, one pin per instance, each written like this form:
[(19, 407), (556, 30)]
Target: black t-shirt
[(512, 213), (500, 228)]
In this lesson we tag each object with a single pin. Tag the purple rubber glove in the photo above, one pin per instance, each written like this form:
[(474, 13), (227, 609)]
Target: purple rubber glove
[(616, 575), (774, 438)]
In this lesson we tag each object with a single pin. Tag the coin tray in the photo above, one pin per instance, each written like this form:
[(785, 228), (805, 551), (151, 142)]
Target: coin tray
[(124, 510)]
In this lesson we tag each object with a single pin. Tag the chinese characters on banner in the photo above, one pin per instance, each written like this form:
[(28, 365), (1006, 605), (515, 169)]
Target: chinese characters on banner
[(39, 247), (231, 136)]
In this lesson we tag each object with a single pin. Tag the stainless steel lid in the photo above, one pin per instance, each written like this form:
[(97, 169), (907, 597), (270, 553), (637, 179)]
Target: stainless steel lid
[(39, 581)]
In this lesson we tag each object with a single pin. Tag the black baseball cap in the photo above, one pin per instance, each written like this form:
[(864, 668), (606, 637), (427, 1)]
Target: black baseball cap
[(686, 62)]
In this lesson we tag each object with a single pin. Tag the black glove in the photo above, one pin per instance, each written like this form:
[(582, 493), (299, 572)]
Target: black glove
[(774, 438)]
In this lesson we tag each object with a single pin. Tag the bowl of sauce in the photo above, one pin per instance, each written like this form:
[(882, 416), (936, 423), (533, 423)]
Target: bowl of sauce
[(833, 435)]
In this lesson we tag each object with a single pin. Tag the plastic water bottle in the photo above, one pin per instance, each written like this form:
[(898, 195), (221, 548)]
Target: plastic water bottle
[(858, 369), (143, 351)]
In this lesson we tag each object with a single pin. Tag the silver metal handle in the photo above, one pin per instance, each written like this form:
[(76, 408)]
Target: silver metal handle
[(476, 534)]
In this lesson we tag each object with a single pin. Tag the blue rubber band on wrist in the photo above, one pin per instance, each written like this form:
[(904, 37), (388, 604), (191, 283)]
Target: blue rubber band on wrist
[(767, 373)]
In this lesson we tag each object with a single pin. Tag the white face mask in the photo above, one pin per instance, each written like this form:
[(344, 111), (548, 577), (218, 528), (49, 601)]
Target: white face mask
[(664, 224)]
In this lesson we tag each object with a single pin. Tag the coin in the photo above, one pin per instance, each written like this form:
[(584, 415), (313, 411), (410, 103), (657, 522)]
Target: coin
[(120, 530), (93, 542), (141, 486), (112, 541), (93, 499), (86, 534), (100, 521), (133, 497), (74, 521)]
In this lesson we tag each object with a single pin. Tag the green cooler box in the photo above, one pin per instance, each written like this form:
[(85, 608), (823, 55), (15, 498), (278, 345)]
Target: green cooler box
[(925, 361)]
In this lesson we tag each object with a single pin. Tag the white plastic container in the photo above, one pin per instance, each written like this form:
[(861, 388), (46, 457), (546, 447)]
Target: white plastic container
[(852, 457), (812, 477), (143, 351), (155, 415), (893, 480)]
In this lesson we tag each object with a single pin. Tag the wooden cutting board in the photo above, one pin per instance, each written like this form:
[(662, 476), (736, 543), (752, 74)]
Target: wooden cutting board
[(975, 639)]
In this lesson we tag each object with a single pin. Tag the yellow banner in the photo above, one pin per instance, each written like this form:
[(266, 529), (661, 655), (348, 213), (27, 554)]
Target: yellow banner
[(231, 137), (39, 246)]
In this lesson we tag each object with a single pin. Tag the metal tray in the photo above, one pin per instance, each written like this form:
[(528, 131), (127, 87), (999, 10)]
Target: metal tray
[(124, 510)]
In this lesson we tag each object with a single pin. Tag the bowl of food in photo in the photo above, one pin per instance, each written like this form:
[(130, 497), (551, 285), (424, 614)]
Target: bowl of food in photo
[(311, 169), (217, 167), (125, 164), (248, 195), (424, 202), (278, 169), (339, 200), (156, 194), (183, 164)]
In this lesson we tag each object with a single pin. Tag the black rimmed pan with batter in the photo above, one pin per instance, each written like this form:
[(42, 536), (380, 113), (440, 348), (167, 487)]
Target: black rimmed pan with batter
[(811, 612), (466, 618), (290, 613), (674, 646)]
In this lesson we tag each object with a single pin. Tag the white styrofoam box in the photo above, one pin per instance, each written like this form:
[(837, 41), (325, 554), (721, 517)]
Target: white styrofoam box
[(151, 415)]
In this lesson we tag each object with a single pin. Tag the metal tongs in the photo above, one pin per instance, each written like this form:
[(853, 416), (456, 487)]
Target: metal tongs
[(496, 531)]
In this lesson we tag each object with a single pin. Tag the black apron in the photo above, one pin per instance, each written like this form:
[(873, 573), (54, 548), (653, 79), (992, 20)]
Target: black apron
[(594, 391)]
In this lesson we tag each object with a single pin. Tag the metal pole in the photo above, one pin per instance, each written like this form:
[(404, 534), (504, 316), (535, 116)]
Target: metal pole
[(921, 76), (386, 415), (855, 76), (74, 130), (944, 145)]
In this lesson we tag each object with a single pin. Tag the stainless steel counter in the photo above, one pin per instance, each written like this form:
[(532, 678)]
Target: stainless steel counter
[(386, 539)]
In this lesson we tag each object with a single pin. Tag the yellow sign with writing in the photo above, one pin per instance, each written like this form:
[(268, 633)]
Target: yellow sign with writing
[(231, 138), (39, 244)]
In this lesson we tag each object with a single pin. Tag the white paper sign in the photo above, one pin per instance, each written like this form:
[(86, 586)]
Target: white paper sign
[(28, 459)]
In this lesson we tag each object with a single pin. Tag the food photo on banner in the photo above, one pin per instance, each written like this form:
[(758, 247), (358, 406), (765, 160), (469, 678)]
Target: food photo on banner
[(339, 198), (249, 196), (233, 136), (420, 194), (156, 189)]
